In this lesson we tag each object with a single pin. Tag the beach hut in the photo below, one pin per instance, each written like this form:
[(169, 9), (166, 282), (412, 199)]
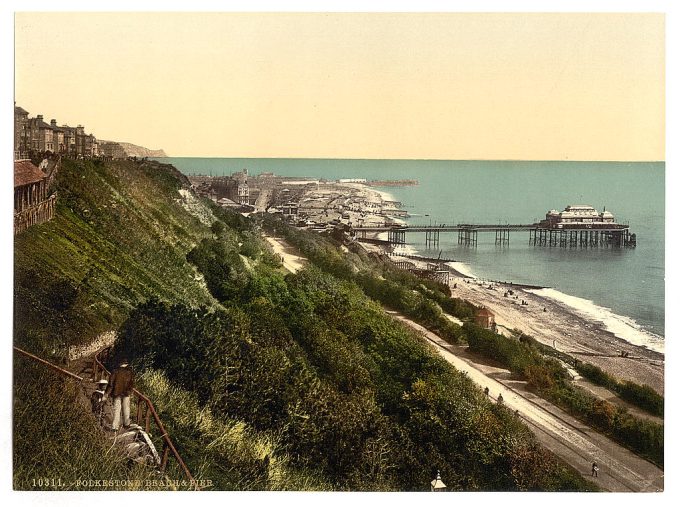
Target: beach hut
[(485, 318)]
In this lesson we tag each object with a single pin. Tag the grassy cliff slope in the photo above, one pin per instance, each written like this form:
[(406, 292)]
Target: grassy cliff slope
[(120, 235)]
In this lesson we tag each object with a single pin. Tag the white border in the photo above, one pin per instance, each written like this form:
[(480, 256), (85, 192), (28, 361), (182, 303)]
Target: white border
[(94, 498)]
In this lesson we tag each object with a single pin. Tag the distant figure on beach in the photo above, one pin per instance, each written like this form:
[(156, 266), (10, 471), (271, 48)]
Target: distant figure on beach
[(500, 398), (486, 391), (594, 470)]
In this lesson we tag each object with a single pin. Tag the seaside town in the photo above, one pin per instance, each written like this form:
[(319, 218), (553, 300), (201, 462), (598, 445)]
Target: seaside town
[(38, 148), (361, 216), (377, 256)]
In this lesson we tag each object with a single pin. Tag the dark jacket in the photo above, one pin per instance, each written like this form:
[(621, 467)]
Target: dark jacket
[(121, 382)]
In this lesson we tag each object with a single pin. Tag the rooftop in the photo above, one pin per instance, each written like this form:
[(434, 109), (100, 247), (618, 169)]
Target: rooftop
[(25, 173)]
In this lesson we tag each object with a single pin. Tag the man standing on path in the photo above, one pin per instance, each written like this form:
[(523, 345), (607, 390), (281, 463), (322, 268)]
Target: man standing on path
[(594, 470), (120, 387)]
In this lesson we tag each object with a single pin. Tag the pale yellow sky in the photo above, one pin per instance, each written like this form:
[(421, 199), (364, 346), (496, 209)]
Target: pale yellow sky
[(431, 86)]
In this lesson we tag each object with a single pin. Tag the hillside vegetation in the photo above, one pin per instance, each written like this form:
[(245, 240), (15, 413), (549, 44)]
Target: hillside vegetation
[(265, 380), (120, 236)]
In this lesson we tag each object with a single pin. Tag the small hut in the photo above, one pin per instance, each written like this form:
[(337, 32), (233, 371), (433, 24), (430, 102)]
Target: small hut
[(485, 318)]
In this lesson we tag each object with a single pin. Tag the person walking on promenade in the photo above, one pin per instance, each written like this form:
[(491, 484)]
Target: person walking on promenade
[(595, 469), (120, 387)]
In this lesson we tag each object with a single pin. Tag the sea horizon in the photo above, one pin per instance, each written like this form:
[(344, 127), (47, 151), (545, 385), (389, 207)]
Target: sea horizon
[(416, 159)]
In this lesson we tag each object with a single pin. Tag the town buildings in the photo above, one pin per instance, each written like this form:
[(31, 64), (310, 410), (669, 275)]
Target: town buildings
[(35, 135), (231, 191)]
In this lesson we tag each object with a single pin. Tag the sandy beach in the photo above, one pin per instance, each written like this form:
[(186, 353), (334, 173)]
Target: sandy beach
[(563, 328)]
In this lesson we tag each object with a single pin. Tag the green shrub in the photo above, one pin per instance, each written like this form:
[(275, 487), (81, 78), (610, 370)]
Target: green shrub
[(641, 396)]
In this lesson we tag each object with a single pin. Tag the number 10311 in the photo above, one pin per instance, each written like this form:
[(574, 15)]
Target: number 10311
[(46, 482)]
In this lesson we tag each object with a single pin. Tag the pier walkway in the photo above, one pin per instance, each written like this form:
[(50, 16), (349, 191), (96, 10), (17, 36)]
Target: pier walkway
[(564, 235)]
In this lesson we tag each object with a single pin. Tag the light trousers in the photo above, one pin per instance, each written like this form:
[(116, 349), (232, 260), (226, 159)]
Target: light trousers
[(118, 402)]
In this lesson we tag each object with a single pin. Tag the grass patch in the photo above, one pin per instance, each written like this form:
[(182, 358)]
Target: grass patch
[(56, 438), (228, 452)]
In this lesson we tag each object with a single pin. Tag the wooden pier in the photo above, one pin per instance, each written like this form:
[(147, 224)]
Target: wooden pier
[(564, 236), (619, 237)]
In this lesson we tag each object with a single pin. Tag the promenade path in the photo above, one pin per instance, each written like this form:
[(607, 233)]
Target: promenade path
[(574, 442), (579, 445), (290, 260)]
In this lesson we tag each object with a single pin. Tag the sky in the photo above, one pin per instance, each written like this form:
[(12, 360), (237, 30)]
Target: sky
[(332, 85)]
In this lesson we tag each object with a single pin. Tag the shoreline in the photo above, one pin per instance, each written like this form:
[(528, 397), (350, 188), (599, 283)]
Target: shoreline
[(561, 326)]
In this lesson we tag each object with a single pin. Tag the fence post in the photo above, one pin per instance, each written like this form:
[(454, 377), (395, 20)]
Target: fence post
[(139, 409), (164, 459)]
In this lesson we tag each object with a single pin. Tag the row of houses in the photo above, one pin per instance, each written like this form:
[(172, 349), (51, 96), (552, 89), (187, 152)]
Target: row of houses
[(231, 191), (34, 134)]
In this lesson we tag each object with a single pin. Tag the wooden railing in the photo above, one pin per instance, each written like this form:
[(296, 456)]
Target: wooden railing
[(38, 214), (145, 411)]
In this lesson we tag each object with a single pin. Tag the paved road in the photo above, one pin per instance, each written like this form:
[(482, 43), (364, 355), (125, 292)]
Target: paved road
[(576, 443), (568, 438)]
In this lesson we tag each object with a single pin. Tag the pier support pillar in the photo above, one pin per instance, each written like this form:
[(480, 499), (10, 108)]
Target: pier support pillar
[(432, 239), (396, 236), (503, 236)]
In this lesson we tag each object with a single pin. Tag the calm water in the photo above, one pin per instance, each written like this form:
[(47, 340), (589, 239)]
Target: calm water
[(623, 286)]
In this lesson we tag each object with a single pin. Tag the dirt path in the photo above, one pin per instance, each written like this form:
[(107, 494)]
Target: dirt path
[(291, 261)]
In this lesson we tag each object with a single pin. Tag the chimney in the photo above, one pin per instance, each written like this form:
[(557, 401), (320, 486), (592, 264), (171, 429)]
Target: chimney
[(53, 122)]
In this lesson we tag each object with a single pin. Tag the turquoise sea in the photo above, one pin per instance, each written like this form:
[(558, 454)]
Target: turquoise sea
[(623, 288)]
